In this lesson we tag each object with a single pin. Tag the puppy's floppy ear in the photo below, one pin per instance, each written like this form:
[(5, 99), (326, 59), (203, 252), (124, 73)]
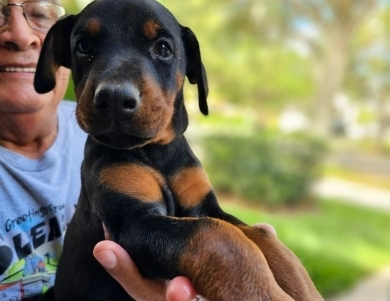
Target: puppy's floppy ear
[(195, 70), (55, 53)]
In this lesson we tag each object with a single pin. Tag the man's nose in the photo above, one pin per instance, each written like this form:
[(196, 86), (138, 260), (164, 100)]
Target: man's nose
[(16, 31)]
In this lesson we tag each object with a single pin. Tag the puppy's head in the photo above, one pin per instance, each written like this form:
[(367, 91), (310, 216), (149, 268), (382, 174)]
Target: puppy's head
[(129, 59)]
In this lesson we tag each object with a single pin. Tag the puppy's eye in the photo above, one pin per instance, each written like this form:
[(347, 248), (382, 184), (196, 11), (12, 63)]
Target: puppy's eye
[(84, 47), (162, 49)]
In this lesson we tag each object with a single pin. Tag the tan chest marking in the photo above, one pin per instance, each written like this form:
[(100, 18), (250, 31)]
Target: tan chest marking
[(190, 185), (138, 181)]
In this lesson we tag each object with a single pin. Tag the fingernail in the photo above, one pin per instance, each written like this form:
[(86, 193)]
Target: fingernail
[(107, 259), (267, 227), (198, 298)]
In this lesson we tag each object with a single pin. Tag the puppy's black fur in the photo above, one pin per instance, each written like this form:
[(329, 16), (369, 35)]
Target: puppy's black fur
[(129, 60)]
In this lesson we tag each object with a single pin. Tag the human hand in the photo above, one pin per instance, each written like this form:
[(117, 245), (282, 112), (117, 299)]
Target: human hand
[(266, 227), (109, 254)]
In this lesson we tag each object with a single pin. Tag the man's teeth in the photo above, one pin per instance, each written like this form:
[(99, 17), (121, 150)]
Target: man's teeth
[(18, 69)]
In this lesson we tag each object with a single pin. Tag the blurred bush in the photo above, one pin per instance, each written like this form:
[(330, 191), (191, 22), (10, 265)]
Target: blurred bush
[(266, 167)]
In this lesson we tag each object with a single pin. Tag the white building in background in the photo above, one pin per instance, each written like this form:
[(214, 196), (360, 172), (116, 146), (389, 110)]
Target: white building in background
[(349, 115), (292, 120), (349, 121)]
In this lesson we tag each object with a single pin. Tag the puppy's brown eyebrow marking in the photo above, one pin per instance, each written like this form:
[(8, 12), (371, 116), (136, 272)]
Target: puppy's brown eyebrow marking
[(93, 27), (151, 29)]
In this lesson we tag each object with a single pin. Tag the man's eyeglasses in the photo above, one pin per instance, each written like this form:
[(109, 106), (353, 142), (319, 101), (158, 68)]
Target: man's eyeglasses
[(40, 15)]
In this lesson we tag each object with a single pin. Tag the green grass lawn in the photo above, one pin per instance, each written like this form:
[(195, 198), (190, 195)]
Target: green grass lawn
[(337, 243)]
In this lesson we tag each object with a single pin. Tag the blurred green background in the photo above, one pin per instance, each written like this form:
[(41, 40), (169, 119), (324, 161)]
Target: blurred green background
[(299, 94)]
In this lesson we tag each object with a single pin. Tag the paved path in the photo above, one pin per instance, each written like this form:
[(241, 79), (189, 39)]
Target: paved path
[(354, 193), (361, 162), (376, 287)]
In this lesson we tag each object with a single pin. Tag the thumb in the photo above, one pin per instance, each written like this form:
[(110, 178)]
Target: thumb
[(122, 268)]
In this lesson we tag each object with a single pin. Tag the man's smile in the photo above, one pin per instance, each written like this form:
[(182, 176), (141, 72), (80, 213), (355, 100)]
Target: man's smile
[(17, 69)]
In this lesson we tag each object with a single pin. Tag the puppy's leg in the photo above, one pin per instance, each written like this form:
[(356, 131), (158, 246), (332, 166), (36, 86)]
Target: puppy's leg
[(216, 256), (286, 267)]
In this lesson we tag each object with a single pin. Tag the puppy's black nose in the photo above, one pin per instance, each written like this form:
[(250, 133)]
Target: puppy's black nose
[(116, 100)]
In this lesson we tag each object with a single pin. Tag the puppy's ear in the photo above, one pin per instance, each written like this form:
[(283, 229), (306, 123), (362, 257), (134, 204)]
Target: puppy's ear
[(55, 53), (195, 70)]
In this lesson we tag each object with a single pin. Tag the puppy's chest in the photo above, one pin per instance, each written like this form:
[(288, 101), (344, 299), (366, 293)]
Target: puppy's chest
[(186, 186), (174, 180)]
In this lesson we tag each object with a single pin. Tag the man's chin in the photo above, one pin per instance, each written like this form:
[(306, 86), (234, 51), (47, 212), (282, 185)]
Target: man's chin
[(19, 103)]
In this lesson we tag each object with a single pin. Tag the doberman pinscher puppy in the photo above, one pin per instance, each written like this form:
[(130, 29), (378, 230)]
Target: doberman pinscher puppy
[(129, 60)]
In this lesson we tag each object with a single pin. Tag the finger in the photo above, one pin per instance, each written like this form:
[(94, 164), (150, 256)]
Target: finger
[(266, 227), (180, 289), (122, 268)]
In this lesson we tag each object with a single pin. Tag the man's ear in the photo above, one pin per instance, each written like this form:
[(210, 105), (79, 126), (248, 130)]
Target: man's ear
[(55, 53), (195, 70)]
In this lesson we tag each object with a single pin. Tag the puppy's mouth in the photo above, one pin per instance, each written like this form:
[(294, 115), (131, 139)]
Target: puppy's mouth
[(121, 141), (135, 131), (122, 135)]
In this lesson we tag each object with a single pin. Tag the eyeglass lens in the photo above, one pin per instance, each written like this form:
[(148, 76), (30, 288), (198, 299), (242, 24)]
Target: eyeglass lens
[(40, 15)]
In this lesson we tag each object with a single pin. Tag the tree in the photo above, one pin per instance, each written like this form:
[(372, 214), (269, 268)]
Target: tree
[(369, 72), (335, 21), (242, 50)]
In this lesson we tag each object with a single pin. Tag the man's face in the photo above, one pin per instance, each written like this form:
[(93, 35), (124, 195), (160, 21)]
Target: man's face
[(20, 46)]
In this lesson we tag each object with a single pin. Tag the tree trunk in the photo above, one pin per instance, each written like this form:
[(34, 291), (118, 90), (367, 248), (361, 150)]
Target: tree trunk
[(383, 117), (330, 76)]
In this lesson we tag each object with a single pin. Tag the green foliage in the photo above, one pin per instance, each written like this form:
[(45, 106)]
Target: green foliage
[(338, 244), (69, 94), (246, 60), (265, 167)]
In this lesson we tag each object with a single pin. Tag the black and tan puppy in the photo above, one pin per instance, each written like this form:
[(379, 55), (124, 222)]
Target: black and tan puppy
[(129, 60)]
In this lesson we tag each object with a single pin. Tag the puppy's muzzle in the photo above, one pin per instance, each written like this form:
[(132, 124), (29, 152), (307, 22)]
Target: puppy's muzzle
[(116, 101)]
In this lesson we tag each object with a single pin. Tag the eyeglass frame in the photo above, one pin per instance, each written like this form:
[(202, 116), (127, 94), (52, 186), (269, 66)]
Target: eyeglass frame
[(24, 14)]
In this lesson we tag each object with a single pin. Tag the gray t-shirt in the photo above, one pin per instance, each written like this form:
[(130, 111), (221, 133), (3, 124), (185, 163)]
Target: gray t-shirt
[(37, 201)]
